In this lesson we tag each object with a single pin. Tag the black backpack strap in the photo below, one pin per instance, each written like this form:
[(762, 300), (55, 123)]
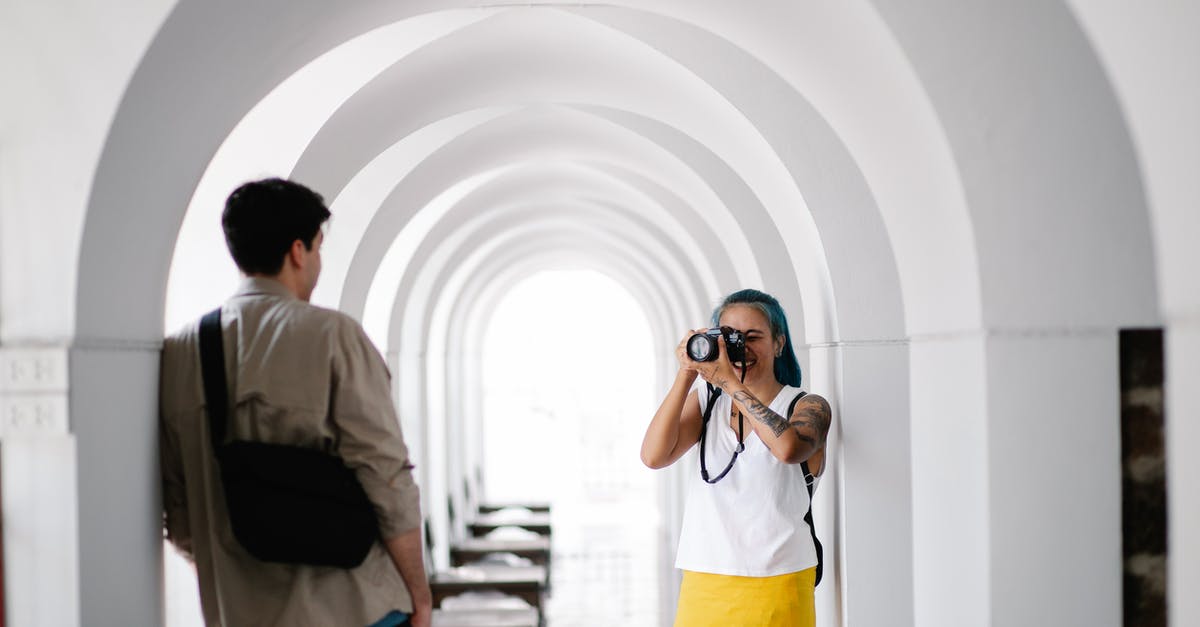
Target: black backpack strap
[(792, 405), (212, 365), (808, 518), (809, 480)]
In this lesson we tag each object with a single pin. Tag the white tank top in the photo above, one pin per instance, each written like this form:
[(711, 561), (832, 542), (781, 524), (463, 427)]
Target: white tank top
[(750, 523)]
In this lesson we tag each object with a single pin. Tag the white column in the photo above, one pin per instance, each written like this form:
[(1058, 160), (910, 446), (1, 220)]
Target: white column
[(1054, 478), (1183, 470), (950, 479), (821, 372), (877, 488), (114, 410), (38, 490)]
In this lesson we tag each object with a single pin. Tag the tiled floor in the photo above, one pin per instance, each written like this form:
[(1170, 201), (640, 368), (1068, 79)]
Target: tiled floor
[(604, 574)]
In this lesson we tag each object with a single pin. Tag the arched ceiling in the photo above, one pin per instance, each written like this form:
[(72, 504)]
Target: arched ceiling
[(892, 170), (744, 156), (718, 81), (504, 232), (1045, 160), (506, 63)]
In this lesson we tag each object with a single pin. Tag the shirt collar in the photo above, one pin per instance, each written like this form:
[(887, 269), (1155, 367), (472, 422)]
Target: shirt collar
[(260, 285)]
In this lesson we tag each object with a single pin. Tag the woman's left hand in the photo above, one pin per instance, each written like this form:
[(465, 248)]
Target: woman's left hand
[(718, 372)]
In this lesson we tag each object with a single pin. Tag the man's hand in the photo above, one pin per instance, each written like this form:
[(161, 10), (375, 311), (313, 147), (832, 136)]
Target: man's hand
[(405, 550), (422, 614)]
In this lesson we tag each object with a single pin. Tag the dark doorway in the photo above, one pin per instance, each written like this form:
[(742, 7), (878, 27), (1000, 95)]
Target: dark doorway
[(1143, 479)]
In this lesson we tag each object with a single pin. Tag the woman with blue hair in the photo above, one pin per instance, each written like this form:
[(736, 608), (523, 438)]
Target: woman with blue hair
[(748, 550)]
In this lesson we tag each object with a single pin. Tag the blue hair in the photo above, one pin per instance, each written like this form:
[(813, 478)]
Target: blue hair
[(787, 368)]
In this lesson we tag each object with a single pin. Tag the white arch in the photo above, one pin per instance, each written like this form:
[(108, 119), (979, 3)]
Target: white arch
[(469, 161), (469, 316), (559, 183), (489, 226), (367, 121), (414, 391), (1145, 55), (169, 25), (150, 164)]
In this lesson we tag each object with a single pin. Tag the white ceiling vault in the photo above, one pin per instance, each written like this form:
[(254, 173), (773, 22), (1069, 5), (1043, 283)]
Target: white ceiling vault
[(947, 196)]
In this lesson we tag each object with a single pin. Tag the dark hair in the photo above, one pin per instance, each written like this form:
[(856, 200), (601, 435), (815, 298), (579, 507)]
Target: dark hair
[(263, 218), (787, 368)]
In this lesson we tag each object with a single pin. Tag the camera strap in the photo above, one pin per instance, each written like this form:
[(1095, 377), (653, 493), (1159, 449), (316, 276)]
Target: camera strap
[(713, 393)]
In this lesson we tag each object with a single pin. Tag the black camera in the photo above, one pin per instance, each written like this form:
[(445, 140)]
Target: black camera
[(703, 346)]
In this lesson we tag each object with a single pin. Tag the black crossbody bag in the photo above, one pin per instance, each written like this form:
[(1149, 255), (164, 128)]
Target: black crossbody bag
[(809, 479), (286, 504)]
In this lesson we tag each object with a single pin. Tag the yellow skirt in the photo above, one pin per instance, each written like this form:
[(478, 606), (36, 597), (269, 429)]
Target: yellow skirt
[(725, 600)]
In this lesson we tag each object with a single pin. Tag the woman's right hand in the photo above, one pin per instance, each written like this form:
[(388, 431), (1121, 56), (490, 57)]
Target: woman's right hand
[(675, 427), (686, 364)]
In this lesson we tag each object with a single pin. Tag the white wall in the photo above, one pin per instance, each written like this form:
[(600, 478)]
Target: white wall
[(1053, 451), (1024, 171), (951, 515), (64, 68), (1150, 57)]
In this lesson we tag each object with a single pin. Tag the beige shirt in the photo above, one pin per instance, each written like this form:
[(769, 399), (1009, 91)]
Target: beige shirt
[(300, 375)]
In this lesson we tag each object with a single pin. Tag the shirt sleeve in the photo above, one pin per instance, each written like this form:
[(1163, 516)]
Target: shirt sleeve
[(370, 439), (174, 487)]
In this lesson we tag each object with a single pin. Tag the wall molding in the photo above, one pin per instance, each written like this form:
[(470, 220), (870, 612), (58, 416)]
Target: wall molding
[(118, 345), (999, 333), (33, 391)]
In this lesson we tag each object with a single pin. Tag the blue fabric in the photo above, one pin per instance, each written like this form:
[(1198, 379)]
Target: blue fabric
[(395, 618)]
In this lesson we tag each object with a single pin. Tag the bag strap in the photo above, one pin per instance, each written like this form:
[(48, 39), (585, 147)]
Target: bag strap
[(212, 365), (809, 480)]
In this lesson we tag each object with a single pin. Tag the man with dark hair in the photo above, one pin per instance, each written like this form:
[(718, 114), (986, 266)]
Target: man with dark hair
[(298, 375)]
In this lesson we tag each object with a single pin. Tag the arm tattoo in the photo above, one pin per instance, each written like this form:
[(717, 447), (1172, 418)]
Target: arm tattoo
[(814, 417), (762, 413)]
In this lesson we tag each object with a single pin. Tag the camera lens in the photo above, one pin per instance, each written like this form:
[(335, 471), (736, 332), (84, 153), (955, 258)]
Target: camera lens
[(702, 347)]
